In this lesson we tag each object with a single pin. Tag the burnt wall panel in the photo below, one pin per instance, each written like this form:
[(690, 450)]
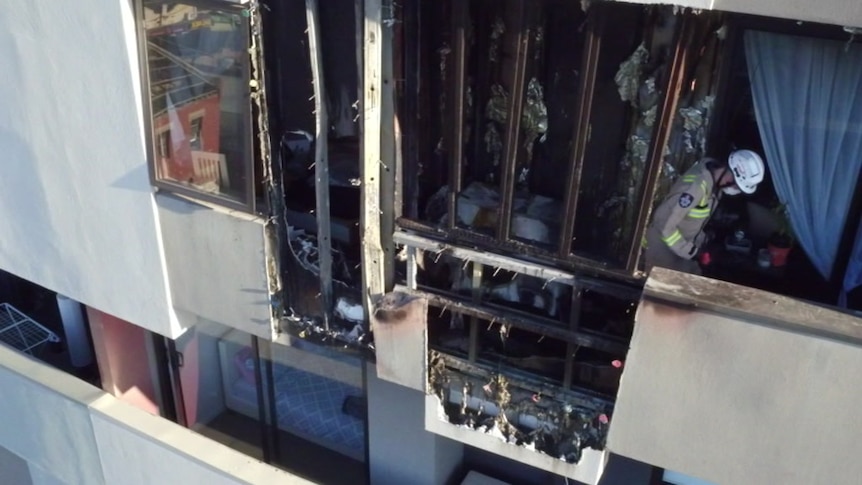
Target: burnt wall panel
[(735, 398)]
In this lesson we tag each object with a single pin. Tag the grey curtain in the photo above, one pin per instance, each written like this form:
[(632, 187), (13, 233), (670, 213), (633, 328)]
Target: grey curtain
[(808, 102)]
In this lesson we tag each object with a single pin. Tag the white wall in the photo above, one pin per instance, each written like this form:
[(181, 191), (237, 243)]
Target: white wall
[(13, 469), (71, 432), (76, 205), (837, 12), (400, 450), (217, 266)]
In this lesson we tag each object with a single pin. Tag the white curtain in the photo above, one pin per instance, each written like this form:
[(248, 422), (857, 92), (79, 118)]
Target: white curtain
[(808, 102)]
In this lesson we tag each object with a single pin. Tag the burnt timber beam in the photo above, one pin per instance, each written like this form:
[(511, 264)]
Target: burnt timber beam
[(461, 236), (373, 254), (457, 88), (410, 59), (513, 123), (321, 161), (664, 125), (516, 265), (516, 319), (589, 65)]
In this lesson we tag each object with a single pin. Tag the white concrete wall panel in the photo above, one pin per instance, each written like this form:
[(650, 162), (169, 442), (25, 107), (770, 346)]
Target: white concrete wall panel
[(71, 432), (41, 477), (734, 400), (45, 418), (76, 205), (14, 469), (400, 449), (836, 12), (216, 265)]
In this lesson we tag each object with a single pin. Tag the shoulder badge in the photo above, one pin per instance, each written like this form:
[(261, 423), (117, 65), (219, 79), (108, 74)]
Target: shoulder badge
[(685, 200)]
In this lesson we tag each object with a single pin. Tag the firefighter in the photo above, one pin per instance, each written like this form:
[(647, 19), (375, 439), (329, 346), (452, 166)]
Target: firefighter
[(676, 233)]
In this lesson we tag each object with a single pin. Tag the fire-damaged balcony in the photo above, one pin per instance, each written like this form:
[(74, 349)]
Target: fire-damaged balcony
[(475, 178), (533, 140)]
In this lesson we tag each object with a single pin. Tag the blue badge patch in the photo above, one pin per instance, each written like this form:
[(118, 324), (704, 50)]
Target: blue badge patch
[(685, 200)]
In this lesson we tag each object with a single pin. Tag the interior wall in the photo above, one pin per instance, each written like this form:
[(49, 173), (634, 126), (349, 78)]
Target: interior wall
[(77, 206), (124, 360)]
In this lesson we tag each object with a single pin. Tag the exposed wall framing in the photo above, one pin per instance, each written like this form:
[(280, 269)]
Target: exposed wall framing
[(274, 230), (470, 107), (542, 312), (317, 156)]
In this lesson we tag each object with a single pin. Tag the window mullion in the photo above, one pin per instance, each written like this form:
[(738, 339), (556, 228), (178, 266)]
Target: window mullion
[(513, 123), (582, 128), (664, 124)]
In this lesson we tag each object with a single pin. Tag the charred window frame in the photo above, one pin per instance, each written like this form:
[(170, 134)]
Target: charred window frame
[(469, 319), (461, 270), (557, 395), (455, 54), (213, 89)]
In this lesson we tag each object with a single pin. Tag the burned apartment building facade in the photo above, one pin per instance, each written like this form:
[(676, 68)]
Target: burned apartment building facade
[(401, 241)]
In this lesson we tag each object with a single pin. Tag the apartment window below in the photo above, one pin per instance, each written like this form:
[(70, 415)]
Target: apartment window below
[(197, 70)]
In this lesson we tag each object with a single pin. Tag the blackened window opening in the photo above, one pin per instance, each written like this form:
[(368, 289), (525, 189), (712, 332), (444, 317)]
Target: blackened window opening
[(518, 137), (311, 127)]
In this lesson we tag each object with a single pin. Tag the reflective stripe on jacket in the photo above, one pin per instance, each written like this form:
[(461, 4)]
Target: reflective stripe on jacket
[(678, 221)]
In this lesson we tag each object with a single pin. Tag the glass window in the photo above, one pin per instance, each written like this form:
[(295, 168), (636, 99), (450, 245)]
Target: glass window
[(296, 405), (197, 65)]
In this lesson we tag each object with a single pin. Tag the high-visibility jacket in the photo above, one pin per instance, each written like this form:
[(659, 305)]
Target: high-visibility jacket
[(678, 221)]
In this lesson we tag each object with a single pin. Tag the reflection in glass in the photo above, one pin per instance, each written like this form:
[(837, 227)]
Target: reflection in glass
[(197, 60)]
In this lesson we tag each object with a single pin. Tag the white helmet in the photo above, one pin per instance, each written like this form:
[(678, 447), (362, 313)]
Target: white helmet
[(747, 169)]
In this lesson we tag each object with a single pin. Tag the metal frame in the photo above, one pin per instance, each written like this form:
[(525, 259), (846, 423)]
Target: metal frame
[(247, 204), (321, 162), (582, 397), (22, 332)]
